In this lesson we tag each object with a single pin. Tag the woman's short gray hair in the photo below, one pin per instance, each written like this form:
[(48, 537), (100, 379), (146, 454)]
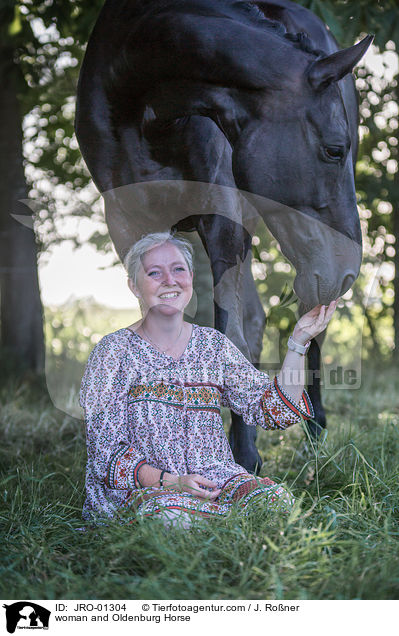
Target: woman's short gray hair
[(134, 257)]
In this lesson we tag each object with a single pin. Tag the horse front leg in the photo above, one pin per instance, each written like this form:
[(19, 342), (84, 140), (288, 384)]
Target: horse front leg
[(314, 387), (228, 245), (242, 438)]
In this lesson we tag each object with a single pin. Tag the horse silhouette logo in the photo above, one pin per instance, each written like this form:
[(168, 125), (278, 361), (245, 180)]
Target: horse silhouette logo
[(26, 615)]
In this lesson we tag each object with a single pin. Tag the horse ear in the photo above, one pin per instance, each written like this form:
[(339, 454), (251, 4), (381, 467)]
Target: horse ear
[(334, 67)]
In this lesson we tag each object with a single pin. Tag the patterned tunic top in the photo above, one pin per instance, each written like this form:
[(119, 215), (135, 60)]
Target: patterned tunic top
[(143, 406)]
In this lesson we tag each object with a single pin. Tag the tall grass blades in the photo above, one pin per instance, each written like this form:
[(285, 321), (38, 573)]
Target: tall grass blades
[(340, 541)]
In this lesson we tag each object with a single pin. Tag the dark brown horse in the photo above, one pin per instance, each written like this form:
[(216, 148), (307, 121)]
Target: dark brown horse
[(210, 114)]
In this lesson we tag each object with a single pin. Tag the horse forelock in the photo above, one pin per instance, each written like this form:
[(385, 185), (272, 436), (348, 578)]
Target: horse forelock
[(121, 65)]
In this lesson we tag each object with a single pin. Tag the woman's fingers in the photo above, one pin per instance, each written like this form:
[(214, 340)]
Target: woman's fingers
[(322, 313), (330, 310), (193, 484), (326, 311), (316, 320), (204, 481), (206, 494), (325, 315), (314, 312)]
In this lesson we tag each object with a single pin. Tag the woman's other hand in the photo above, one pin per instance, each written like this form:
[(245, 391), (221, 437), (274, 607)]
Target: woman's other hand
[(192, 483), (313, 322)]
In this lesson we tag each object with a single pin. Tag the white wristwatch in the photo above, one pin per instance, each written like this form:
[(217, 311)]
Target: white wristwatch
[(294, 346)]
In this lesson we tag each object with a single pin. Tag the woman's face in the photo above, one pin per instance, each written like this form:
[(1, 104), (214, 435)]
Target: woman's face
[(164, 281)]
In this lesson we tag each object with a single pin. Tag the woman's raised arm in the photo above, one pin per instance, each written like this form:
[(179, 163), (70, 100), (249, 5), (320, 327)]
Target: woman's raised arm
[(292, 374), (253, 395)]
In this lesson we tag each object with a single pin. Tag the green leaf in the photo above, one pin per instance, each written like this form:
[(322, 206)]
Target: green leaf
[(329, 16), (16, 25)]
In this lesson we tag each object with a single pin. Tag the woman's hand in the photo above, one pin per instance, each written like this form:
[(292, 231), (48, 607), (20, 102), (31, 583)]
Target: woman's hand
[(313, 322), (192, 483)]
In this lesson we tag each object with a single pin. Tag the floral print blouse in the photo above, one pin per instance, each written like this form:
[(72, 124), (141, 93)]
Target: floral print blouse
[(143, 406)]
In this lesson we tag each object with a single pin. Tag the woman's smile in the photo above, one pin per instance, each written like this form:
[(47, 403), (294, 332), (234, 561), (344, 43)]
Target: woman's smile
[(169, 295)]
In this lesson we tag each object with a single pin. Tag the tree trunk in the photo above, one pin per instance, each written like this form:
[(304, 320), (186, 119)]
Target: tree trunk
[(22, 340)]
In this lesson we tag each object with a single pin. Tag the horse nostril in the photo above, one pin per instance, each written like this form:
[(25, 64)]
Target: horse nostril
[(347, 283)]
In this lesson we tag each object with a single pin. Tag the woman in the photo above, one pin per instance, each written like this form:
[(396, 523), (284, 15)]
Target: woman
[(153, 392)]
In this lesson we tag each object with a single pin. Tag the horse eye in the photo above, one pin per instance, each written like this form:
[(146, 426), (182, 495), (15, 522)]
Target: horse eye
[(334, 152)]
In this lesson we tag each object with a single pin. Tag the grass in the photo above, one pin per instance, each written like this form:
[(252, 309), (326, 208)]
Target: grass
[(341, 540)]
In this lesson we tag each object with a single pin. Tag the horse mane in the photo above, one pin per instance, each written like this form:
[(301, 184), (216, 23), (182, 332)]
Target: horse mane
[(304, 43), (251, 10), (136, 9), (300, 40)]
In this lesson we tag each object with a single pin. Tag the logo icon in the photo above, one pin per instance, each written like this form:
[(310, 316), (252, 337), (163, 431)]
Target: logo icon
[(26, 615)]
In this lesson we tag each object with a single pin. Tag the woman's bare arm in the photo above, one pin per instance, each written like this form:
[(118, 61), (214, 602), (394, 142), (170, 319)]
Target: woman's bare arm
[(292, 374)]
